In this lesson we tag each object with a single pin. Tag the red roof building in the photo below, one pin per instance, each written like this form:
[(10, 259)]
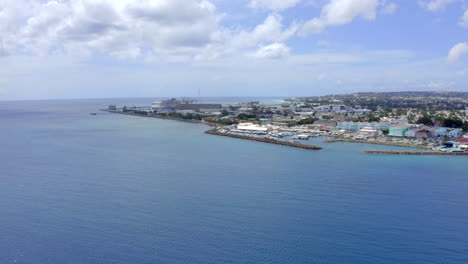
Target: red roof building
[(464, 138)]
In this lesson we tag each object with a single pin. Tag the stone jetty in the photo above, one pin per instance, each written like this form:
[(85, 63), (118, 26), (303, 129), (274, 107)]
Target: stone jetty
[(399, 152), (214, 131)]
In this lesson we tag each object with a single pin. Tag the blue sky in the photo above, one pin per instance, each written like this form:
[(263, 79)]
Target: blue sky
[(159, 48)]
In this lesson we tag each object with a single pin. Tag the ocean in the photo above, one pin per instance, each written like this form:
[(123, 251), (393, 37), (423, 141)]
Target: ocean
[(85, 189)]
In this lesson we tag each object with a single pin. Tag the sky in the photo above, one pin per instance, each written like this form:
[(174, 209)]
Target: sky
[(162, 48)]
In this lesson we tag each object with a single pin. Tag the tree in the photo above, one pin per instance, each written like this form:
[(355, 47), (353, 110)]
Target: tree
[(244, 116), (453, 122), (224, 112), (426, 120)]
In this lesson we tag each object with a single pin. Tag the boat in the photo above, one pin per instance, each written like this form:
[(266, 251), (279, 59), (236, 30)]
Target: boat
[(301, 137), (93, 113)]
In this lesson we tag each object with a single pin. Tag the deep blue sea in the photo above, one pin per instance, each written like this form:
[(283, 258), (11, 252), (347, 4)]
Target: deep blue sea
[(82, 189)]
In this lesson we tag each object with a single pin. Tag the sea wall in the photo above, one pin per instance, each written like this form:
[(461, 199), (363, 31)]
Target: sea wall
[(214, 131), (398, 152)]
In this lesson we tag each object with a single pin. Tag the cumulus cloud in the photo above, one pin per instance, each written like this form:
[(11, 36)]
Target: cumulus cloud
[(271, 30), (389, 8), (275, 5), (121, 27), (464, 19), (273, 51), (435, 5), (340, 12), (171, 30), (457, 51)]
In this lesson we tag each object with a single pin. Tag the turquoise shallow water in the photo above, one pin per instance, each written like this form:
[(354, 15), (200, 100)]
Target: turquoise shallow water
[(77, 188)]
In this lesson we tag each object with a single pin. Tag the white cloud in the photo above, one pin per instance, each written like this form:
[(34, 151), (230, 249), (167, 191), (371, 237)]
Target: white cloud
[(435, 5), (273, 51), (340, 12), (389, 8), (271, 30), (117, 27), (457, 51), (275, 5), (170, 30), (464, 19)]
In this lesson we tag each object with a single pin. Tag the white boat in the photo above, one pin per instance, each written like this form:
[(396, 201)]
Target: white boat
[(301, 137)]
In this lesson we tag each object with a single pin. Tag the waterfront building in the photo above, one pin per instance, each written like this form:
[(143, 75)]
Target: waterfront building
[(441, 132), (326, 122), (411, 133), (456, 133), (198, 107), (303, 115), (184, 112), (424, 133), (250, 128), (212, 112), (464, 138), (362, 111), (355, 126), (112, 108), (368, 131), (398, 130), (323, 109)]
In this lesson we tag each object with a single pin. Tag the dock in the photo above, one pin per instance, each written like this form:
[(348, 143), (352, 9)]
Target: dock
[(214, 131)]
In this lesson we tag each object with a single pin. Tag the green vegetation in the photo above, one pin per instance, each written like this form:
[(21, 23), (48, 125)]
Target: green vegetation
[(247, 116), (426, 120), (453, 122), (226, 122)]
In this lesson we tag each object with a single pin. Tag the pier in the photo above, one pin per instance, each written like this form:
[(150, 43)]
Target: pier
[(214, 131)]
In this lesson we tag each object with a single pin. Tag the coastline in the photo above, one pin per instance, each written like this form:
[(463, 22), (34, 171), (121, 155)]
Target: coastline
[(214, 131), (333, 140), (166, 118)]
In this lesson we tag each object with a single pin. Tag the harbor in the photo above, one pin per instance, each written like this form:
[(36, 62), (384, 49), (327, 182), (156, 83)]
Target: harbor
[(293, 122)]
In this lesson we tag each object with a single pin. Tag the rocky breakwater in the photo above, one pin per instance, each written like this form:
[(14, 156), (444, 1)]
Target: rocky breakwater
[(400, 152), (216, 132)]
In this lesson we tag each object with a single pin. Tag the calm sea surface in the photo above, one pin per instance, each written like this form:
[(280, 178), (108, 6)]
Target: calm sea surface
[(77, 188)]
